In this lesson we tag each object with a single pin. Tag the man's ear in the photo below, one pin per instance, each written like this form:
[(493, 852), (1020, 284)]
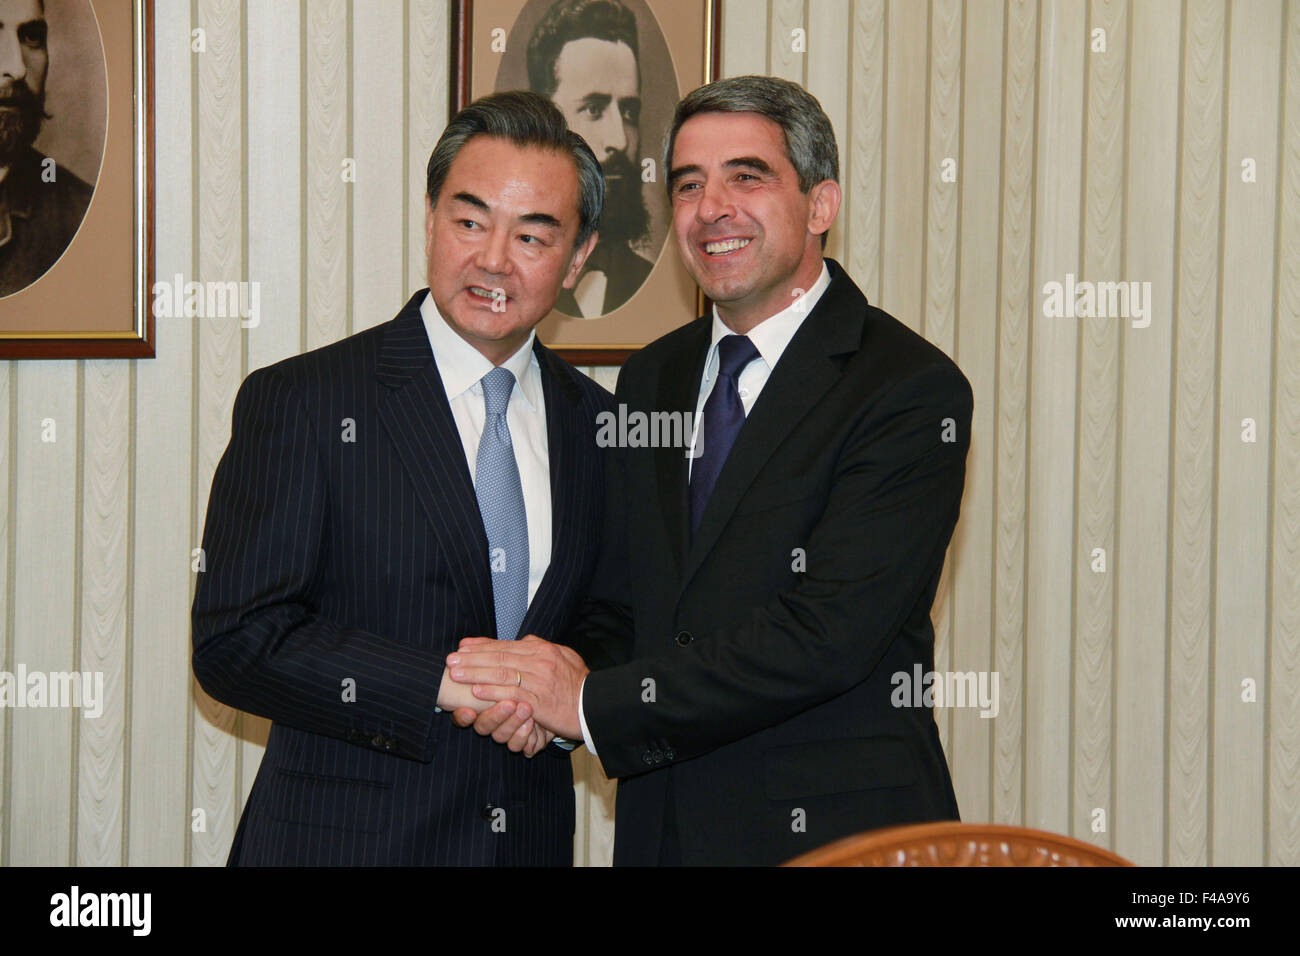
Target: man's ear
[(824, 204), (579, 259)]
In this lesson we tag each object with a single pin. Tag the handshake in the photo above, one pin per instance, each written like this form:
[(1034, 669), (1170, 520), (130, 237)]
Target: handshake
[(520, 693)]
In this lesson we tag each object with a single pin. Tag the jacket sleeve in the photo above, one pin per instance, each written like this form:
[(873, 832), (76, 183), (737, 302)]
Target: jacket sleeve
[(880, 540), (258, 643)]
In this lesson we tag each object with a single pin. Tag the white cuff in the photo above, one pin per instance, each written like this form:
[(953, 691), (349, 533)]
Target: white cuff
[(582, 720)]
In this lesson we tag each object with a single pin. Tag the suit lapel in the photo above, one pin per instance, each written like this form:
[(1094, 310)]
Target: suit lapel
[(413, 409), (807, 369), (564, 432), (679, 390)]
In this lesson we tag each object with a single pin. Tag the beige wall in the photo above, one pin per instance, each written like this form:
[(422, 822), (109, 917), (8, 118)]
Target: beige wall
[(1121, 692)]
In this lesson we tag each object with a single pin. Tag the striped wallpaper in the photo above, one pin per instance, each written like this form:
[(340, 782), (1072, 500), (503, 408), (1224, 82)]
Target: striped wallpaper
[(1128, 559)]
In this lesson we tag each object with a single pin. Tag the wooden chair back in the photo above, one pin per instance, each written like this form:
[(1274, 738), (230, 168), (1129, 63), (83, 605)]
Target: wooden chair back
[(951, 843)]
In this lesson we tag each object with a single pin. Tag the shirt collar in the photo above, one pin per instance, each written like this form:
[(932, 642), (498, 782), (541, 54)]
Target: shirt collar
[(773, 334), (462, 366)]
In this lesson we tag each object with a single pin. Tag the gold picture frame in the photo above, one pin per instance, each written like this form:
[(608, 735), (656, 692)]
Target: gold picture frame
[(94, 301)]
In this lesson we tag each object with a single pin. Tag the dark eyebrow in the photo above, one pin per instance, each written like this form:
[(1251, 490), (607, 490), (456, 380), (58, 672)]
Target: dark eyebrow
[(596, 99), (740, 162), (537, 218), (750, 162), (541, 219), (680, 171), (471, 200)]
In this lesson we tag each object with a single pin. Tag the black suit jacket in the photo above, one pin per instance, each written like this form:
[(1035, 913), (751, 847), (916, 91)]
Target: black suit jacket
[(756, 692), (341, 568)]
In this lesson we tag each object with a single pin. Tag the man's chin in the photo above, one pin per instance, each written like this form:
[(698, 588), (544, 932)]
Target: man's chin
[(486, 330), (722, 288), (718, 292)]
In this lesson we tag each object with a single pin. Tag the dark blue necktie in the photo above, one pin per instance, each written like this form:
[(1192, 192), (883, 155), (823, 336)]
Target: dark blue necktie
[(721, 421)]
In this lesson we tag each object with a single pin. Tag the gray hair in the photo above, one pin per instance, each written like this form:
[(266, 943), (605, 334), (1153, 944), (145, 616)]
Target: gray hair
[(525, 119), (809, 136)]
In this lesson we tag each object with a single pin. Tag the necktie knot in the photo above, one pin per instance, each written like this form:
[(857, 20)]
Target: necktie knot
[(497, 386), (734, 353), (724, 414)]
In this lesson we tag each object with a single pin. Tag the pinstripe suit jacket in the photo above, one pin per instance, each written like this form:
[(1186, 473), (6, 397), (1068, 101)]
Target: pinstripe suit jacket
[(345, 558)]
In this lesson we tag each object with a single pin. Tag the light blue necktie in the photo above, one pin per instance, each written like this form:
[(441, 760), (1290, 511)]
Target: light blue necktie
[(501, 503)]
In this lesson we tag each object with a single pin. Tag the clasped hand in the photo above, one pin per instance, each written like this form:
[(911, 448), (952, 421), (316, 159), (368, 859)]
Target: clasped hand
[(531, 688)]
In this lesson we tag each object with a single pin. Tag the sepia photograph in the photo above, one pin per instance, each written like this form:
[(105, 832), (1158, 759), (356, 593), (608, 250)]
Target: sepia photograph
[(605, 64), (44, 200), (649, 435), (75, 200), (615, 69)]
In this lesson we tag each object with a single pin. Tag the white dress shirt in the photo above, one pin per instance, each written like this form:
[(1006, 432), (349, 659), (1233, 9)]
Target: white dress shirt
[(770, 337), (462, 368)]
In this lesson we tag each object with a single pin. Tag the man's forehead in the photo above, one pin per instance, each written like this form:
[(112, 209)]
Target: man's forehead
[(597, 63), (15, 12), (716, 138), (506, 150), (493, 166)]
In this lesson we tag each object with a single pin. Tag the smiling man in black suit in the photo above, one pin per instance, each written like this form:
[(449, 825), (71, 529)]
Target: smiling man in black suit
[(756, 596), (383, 497)]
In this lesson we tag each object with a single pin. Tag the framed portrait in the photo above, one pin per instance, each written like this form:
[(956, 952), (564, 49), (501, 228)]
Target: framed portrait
[(76, 197), (616, 69)]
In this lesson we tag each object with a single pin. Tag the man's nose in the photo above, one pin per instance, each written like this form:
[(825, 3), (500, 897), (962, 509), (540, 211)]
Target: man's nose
[(494, 253), (12, 67), (612, 135), (714, 203)]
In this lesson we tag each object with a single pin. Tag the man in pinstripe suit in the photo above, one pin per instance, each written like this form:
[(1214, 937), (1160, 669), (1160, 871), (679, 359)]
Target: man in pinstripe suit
[(433, 477)]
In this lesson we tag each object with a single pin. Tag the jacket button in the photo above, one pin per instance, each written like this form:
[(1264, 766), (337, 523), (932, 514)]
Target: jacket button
[(378, 741), (488, 811), (684, 638)]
